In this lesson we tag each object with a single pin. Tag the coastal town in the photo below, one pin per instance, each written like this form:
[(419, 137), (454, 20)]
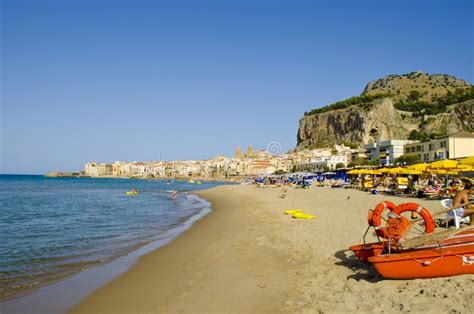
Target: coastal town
[(262, 162)]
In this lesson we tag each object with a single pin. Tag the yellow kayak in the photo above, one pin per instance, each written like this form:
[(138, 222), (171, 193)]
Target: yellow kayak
[(303, 216), (131, 193)]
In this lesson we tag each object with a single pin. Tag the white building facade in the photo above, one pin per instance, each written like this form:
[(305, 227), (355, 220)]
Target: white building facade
[(386, 151)]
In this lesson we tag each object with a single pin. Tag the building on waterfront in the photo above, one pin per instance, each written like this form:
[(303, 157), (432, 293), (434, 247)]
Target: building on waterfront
[(358, 154), (259, 167), (238, 153), (330, 162), (91, 169), (386, 151), (95, 169), (453, 146), (250, 153)]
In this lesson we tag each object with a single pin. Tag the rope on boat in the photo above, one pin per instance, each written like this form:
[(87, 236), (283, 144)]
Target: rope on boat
[(427, 263)]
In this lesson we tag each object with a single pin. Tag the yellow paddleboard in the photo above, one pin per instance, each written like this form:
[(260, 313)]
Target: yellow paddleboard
[(293, 211), (303, 216)]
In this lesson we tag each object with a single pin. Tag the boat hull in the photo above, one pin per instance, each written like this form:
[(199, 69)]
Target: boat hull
[(452, 256), (364, 251), (428, 263)]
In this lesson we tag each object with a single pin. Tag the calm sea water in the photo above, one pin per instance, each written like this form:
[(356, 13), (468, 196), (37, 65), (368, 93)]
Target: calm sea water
[(55, 227)]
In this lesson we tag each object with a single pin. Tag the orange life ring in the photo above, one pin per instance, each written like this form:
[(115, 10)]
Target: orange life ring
[(375, 216), (425, 214), (398, 226)]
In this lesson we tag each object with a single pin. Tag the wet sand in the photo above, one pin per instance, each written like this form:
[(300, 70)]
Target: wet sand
[(247, 256)]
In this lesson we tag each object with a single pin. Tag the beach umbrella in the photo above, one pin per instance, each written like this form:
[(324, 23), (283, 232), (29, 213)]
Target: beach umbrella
[(444, 171), (397, 170), (418, 167), (384, 170), (411, 171), (467, 161), (375, 172), (444, 164), (463, 168), (353, 171)]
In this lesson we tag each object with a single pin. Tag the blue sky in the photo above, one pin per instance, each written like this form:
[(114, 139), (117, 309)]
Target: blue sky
[(121, 80)]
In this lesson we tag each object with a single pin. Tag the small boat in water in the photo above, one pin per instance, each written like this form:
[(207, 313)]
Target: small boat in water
[(132, 192), (442, 254)]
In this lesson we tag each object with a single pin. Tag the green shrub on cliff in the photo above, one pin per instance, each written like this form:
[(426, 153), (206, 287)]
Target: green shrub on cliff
[(439, 104), (364, 101)]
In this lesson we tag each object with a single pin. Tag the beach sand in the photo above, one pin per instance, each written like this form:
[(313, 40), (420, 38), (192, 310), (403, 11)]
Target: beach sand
[(247, 256)]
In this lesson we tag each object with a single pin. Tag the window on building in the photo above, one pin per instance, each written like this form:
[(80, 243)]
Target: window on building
[(431, 147), (418, 148)]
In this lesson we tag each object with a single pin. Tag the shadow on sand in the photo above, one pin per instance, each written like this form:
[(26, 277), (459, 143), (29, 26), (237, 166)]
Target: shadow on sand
[(362, 271)]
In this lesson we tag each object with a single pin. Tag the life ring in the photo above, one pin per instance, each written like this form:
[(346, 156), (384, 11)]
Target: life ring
[(398, 226), (425, 214), (375, 216)]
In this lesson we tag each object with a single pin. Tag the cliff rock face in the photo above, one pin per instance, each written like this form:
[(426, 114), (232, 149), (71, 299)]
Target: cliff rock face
[(381, 120), (352, 125)]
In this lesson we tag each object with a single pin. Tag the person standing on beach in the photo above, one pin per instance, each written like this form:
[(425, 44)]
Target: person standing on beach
[(460, 199)]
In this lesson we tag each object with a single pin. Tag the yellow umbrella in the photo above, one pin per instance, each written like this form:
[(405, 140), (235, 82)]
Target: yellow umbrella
[(353, 171), (418, 167), (375, 172), (463, 168), (444, 164), (410, 171), (397, 170), (384, 170), (467, 161), (443, 171)]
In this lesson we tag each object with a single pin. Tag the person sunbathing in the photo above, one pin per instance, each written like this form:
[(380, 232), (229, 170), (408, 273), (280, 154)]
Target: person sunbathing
[(460, 200)]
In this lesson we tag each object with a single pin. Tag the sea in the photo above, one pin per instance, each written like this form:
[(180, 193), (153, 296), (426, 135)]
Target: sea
[(54, 228)]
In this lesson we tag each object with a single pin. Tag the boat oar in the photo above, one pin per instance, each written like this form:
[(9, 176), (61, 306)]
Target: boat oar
[(431, 238)]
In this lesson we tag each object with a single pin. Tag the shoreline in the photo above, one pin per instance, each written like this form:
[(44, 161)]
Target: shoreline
[(223, 180), (246, 256), (70, 290)]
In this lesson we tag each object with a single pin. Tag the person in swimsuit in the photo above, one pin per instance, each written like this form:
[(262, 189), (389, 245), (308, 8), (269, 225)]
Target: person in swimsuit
[(462, 197)]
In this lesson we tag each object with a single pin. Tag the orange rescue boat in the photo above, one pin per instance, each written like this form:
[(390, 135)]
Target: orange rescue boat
[(452, 256)]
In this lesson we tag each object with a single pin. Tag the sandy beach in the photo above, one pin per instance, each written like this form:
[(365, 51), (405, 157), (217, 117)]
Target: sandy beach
[(247, 256)]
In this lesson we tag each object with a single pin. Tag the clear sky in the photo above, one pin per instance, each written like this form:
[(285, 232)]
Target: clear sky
[(143, 80)]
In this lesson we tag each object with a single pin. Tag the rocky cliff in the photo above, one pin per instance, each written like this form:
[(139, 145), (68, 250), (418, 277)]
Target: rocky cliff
[(426, 100)]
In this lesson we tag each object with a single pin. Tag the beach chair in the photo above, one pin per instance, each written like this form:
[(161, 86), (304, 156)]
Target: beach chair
[(453, 214), (368, 184), (402, 184)]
